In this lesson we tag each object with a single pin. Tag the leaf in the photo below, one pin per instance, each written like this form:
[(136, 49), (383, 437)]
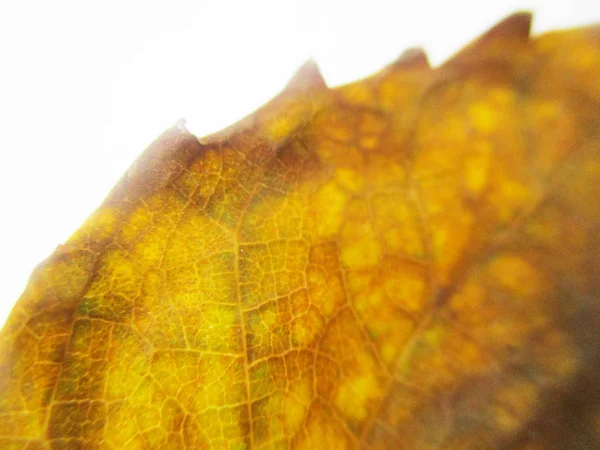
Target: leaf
[(407, 261)]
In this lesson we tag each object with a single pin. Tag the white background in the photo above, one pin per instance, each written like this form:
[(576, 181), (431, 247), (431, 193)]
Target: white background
[(86, 86)]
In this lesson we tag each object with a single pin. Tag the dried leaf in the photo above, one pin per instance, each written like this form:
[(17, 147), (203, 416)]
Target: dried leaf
[(408, 261)]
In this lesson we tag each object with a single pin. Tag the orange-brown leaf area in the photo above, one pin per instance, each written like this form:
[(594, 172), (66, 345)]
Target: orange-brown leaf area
[(407, 261)]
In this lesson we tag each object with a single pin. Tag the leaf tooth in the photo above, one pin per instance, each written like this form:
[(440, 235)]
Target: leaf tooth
[(501, 41), (156, 166), (412, 58), (307, 78), (279, 116), (517, 25)]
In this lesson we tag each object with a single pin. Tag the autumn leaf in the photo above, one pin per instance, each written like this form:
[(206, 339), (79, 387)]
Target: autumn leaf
[(407, 261)]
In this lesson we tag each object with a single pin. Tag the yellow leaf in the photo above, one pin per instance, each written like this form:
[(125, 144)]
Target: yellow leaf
[(407, 261)]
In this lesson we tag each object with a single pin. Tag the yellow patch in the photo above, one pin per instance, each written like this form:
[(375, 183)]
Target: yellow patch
[(329, 205), (515, 403), (483, 117), (477, 165), (349, 179), (294, 414), (361, 254), (354, 394), (516, 274)]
